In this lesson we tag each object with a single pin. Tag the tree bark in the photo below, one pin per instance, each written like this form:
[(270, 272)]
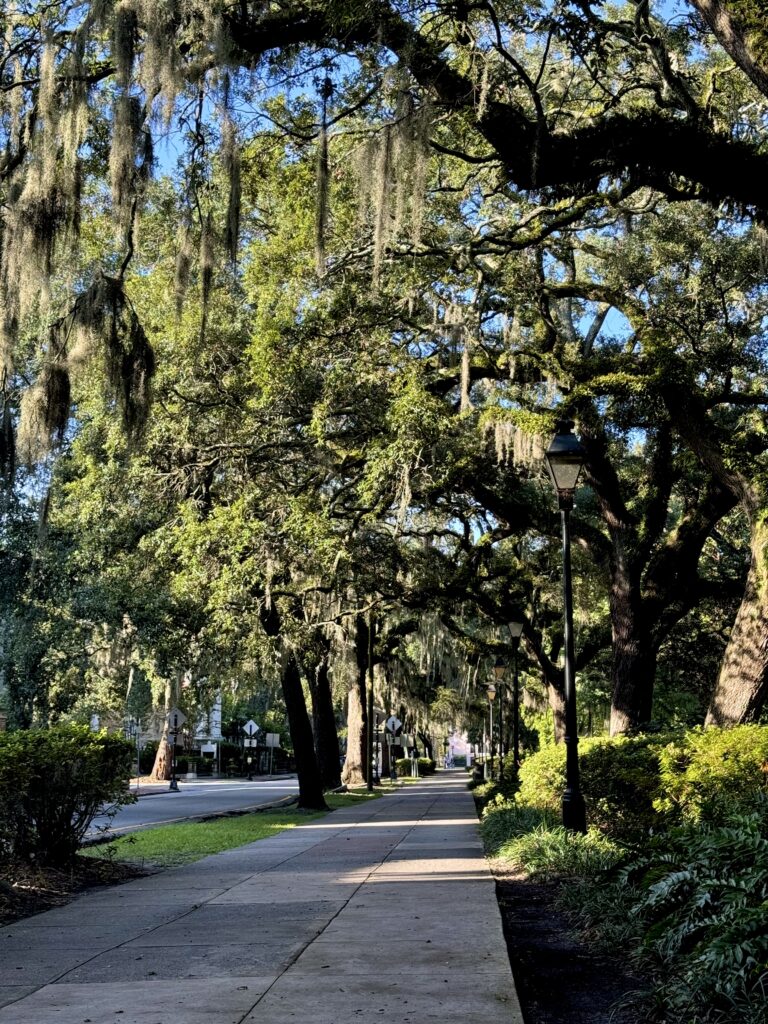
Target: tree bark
[(742, 686), (556, 697), (737, 32), (324, 725), (356, 762), (310, 786), (634, 656), (161, 769), (310, 783)]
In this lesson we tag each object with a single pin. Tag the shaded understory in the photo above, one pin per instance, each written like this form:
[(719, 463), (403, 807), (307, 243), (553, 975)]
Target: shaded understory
[(559, 979)]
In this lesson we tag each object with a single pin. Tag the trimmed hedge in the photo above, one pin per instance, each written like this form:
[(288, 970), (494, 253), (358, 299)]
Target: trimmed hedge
[(53, 782), (633, 784), (708, 774), (404, 766)]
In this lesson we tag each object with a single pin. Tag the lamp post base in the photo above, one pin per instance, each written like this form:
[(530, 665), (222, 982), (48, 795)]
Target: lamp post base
[(174, 786), (574, 812)]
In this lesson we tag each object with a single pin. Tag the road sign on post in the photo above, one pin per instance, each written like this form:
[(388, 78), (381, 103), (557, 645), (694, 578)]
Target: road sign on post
[(272, 740), (250, 729), (176, 719), (393, 725)]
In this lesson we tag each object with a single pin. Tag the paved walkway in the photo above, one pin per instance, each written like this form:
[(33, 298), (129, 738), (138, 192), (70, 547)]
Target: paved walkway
[(381, 912)]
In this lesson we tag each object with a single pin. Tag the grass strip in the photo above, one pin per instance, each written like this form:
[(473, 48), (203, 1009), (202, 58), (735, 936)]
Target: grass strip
[(182, 843)]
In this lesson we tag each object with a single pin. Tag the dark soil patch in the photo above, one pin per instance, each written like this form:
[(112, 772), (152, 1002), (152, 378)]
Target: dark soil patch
[(27, 890), (559, 978)]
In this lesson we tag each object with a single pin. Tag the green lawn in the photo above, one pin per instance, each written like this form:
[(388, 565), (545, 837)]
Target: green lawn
[(171, 845)]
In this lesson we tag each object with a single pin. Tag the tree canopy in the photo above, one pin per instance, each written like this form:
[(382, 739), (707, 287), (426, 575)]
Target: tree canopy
[(291, 298)]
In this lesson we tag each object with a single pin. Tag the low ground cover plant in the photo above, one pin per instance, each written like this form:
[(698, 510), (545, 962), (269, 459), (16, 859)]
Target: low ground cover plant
[(673, 868)]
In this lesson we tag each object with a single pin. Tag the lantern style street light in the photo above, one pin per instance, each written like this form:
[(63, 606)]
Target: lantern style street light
[(491, 691), (499, 670), (565, 458), (515, 631)]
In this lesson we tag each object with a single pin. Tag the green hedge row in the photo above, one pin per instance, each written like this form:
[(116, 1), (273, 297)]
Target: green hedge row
[(673, 868), (632, 785), (404, 766), (53, 782)]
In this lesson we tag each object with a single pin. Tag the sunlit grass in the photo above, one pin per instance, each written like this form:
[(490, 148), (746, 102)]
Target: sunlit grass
[(185, 842)]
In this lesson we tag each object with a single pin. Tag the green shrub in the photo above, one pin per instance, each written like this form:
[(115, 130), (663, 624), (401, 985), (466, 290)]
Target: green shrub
[(633, 784), (553, 852), (708, 774), (426, 766), (695, 903), (503, 821), (620, 780), (460, 761), (53, 782)]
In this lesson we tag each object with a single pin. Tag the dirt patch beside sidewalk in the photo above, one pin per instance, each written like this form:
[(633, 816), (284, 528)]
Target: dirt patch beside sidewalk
[(26, 890), (559, 978)]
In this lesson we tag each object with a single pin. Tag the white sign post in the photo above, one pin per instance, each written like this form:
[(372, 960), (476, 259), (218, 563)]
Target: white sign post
[(250, 729), (272, 740), (392, 729)]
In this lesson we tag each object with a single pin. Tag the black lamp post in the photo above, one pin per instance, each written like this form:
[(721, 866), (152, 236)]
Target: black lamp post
[(499, 670), (491, 691), (515, 631), (565, 458), (371, 775)]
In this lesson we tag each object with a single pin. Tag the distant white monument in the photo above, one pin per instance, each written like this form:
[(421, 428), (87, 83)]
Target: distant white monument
[(209, 726)]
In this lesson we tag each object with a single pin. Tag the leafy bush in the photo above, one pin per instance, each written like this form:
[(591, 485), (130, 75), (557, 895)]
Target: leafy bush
[(553, 852), (503, 821), (633, 784), (620, 780), (404, 766), (53, 783), (708, 774), (147, 757), (695, 903), (460, 761)]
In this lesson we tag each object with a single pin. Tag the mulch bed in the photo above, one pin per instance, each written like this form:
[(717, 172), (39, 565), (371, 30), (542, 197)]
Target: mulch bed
[(559, 978), (27, 890)]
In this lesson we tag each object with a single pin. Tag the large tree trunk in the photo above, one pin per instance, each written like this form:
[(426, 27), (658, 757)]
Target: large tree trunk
[(742, 687), (161, 769), (740, 30), (310, 786), (634, 657), (556, 697), (324, 726), (310, 783), (356, 763)]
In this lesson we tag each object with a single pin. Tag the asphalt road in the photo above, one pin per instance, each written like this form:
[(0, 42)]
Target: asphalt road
[(194, 799)]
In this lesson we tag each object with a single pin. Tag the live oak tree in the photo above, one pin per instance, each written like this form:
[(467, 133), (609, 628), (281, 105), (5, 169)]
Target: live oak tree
[(557, 113)]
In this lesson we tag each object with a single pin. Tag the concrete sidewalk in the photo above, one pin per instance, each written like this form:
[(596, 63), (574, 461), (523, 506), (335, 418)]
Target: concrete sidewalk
[(386, 911)]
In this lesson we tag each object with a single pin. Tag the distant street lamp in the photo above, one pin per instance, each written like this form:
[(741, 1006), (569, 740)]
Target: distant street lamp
[(176, 720), (370, 773), (499, 670), (491, 691), (515, 631), (565, 458)]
